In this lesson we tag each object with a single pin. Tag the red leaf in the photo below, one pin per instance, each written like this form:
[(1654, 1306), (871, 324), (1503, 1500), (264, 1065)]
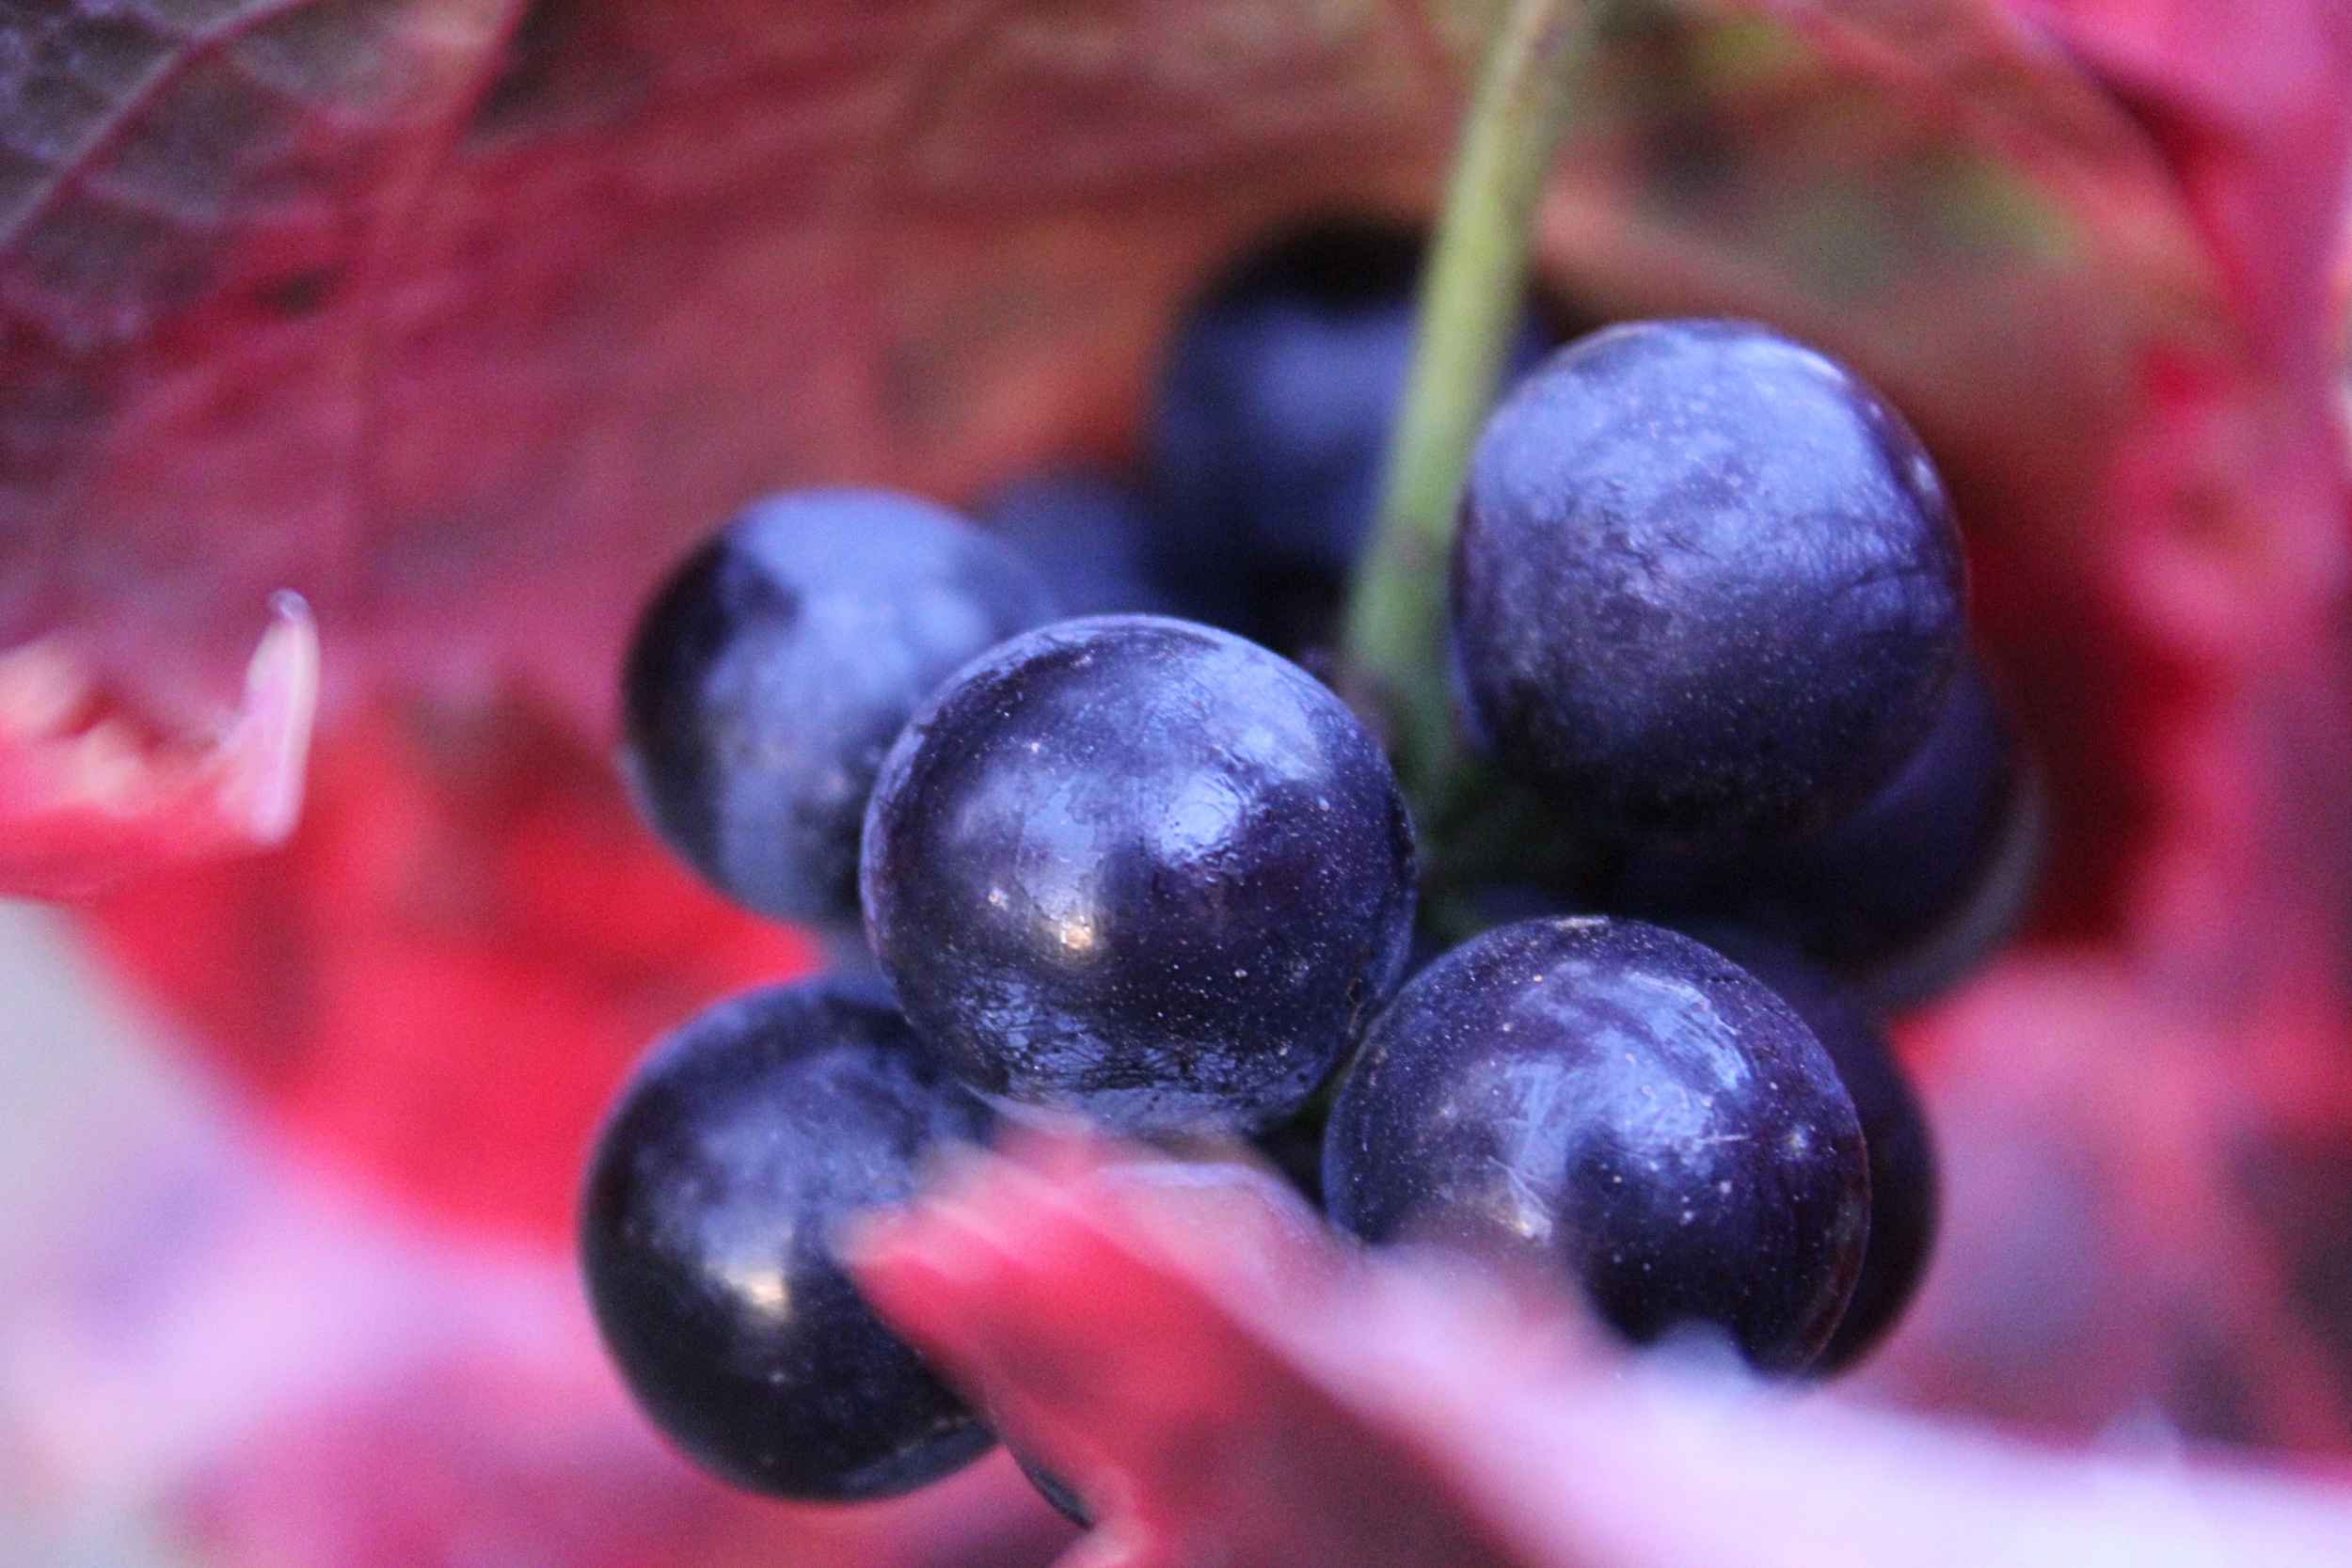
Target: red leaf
[(464, 341), (444, 977), (255, 1368), (90, 800), (1391, 1412), (2251, 109)]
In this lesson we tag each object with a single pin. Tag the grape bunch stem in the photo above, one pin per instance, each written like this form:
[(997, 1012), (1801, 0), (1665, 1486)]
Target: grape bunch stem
[(1470, 304)]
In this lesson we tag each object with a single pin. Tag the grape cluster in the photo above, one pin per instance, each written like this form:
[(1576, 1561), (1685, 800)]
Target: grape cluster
[(1709, 634)]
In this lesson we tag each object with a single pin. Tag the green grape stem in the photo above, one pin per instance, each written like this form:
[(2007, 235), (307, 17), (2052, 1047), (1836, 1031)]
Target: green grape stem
[(1470, 300)]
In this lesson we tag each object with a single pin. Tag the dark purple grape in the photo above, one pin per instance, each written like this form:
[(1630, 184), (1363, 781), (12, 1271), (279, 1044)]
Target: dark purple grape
[(1908, 875), (1090, 539), (1626, 1105), (1271, 421), (1142, 869), (1890, 877), (1905, 1190), (1707, 589), (775, 668), (745, 1139)]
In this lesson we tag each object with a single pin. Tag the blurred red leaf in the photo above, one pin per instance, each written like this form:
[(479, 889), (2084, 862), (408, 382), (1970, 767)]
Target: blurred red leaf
[(463, 316), (91, 800), (444, 976), (1281, 1403), (2249, 108), (233, 1353)]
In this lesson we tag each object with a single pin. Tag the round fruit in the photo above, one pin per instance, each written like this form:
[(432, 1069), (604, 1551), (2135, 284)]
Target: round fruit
[(1707, 589), (1909, 890), (1271, 421), (1142, 869), (1626, 1105), (1089, 536), (742, 1144), (775, 668), (1905, 1191)]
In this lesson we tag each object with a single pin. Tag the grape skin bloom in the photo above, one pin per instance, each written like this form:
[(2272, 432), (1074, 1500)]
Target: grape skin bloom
[(1141, 869), (1707, 587), (1623, 1105), (742, 1144), (773, 669)]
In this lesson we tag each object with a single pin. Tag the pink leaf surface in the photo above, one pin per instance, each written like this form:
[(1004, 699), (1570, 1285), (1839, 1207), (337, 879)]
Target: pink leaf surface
[(1298, 1406), (264, 1367), (91, 799), (461, 317)]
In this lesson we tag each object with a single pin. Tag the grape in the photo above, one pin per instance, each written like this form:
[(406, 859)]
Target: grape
[(1272, 414), (770, 673), (1908, 875), (1897, 872), (1089, 536), (1626, 1104), (1142, 869), (1707, 589), (741, 1144), (1905, 1191)]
